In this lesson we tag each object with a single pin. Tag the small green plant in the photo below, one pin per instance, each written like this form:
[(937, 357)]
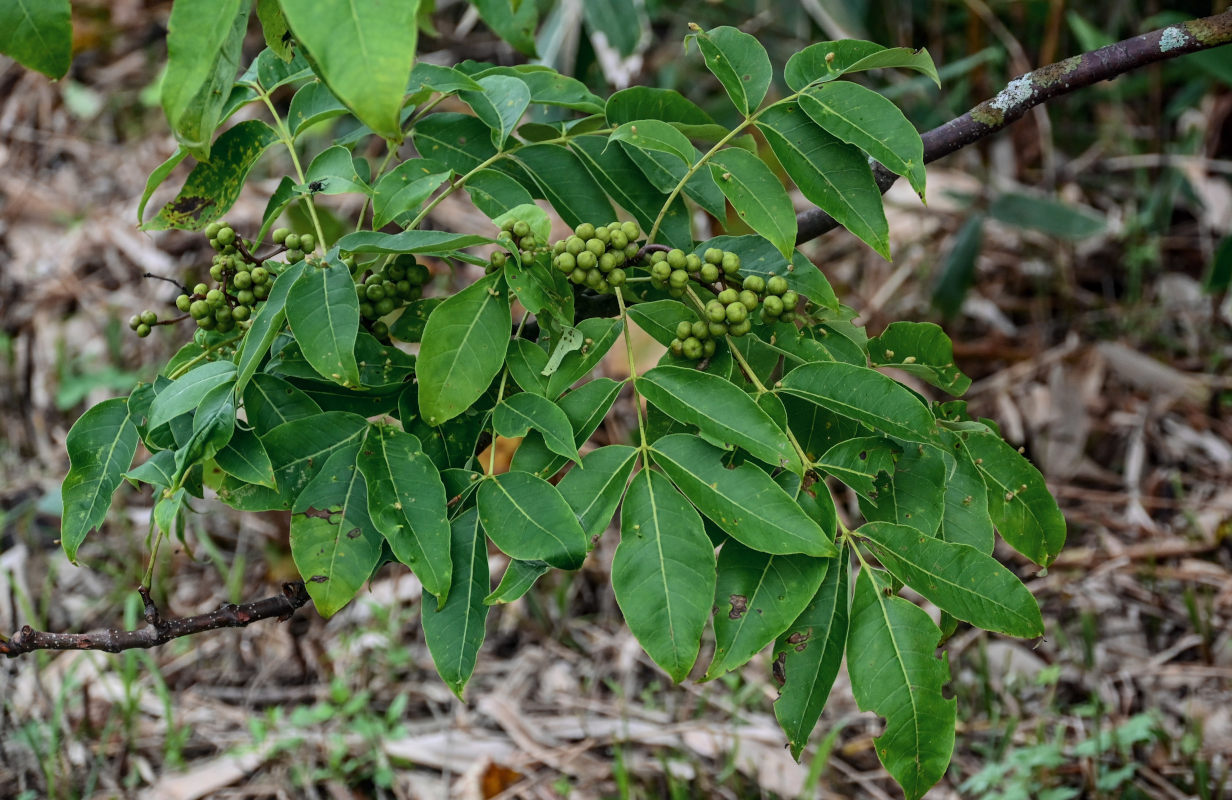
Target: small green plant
[(298, 392)]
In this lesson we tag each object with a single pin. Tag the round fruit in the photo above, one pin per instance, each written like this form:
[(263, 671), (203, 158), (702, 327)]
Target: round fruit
[(215, 298), (143, 330), (755, 284), (575, 245), (772, 306), (700, 330), (717, 329), (240, 313), (242, 280), (630, 230), (790, 298), (281, 234), (183, 302), (616, 277), (418, 274), (134, 321), (199, 309), (676, 258), (385, 306), (677, 348), (292, 242), (521, 228), (709, 273), (661, 270), (307, 243), (692, 262), (716, 311), (200, 289), (245, 297), (741, 328), (736, 313), (585, 231), (380, 330), (226, 236), (691, 347), (731, 263), (684, 329), (728, 296), (748, 299), (714, 256), (586, 260), (678, 279), (708, 348), (259, 275), (777, 284), (565, 262), (211, 230)]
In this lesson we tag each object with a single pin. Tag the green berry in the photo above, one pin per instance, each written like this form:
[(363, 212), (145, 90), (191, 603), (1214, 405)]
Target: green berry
[(709, 273), (281, 234), (292, 242), (586, 260), (717, 329), (790, 298), (788, 316), (385, 306), (657, 255), (418, 274), (660, 270), (240, 313), (261, 292), (618, 240), (200, 289), (578, 275), (607, 262), (772, 306), (716, 311), (755, 284), (259, 275), (404, 288), (714, 256), (692, 263), (226, 235), (631, 249), (215, 298), (183, 302), (677, 348), (211, 230), (575, 245), (367, 310), (134, 321), (630, 230), (676, 258), (700, 330), (245, 297), (678, 279), (307, 243), (736, 312), (216, 272), (565, 262), (295, 256), (242, 280), (730, 263), (222, 315), (559, 247), (143, 330), (708, 348), (375, 293), (616, 277), (596, 246), (521, 228), (199, 309), (149, 317), (604, 235), (585, 230), (497, 259), (528, 243), (749, 299), (777, 284), (684, 329), (728, 296), (691, 347), (207, 322), (593, 278), (380, 330), (740, 328)]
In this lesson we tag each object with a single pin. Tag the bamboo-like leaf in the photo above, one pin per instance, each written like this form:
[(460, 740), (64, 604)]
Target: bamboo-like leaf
[(663, 572)]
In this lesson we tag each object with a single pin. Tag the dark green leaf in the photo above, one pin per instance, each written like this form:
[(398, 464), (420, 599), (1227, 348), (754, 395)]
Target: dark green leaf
[(653, 134), (890, 647), (745, 501), (455, 631), (266, 324), (811, 650), (274, 28), (459, 141), (38, 34), (500, 105), (816, 64), (665, 172), (157, 470), (540, 289), (563, 181), (526, 361), (512, 20), (617, 21), (333, 541), (516, 415), (586, 407), (213, 426), (157, 177), (413, 241), (212, 187), (957, 578), (859, 461), (757, 196), (757, 597), (594, 490), (463, 349), (185, 393), (269, 401), (921, 349), (245, 458), (722, 411), (831, 174), (406, 501), (333, 172), (663, 572), (864, 395), (445, 80), (409, 326), (494, 192), (914, 495), (529, 520), (363, 52), (739, 62), (647, 102), (101, 446), (965, 519), (518, 578), (323, 313), (598, 337), (299, 448)]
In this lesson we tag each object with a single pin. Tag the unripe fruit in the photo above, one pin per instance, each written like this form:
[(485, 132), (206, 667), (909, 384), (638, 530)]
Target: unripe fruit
[(674, 291), (216, 272), (708, 347), (211, 230), (143, 330), (630, 230), (740, 328), (714, 255), (692, 262), (575, 245), (777, 284), (134, 321), (616, 277), (691, 347), (366, 309), (607, 262), (242, 280), (604, 235), (565, 262), (222, 315), (709, 273), (618, 240), (772, 306), (199, 309), (755, 284), (558, 248), (295, 256), (281, 234), (736, 312), (307, 243), (261, 292), (207, 323), (375, 292), (215, 298), (292, 242), (731, 263), (593, 278), (380, 330), (528, 243), (240, 313), (728, 296), (684, 329), (661, 270), (521, 228), (225, 236), (259, 276), (418, 274), (788, 316), (585, 231), (200, 289), (678, 279), (498, 260), (245, 297), (578, 276), (717, 329), (790, 298), (586, 260), (749, 299), (676, 258), (149, 317), (183, 302), (657, 255), (385, 306), (716, 311), (595, 246), (700, 330), (677, 347)]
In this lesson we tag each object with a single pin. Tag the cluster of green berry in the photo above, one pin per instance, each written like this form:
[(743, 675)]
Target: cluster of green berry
[(596, 256), (388, 289), (731, 311), (519, 232), (297, 245), (243, 281)]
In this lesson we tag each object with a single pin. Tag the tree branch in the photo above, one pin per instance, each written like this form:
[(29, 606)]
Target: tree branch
[(158, 630), (1029, 90)]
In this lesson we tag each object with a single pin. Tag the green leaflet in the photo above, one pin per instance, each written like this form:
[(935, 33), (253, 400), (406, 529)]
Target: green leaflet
[(957, 578), (965, 519), (512, 20), (274, 28), (213, 186), (528, 519), (363, 52), (518, 578), (739, 62), (825, 61), (323, 312), (831, 174), (458, 141), (412, 241), (861, 117), (185, 393), (598, 336), (463, 349), (1025, 513), (586, 407), (859, 461), (101, 445), (454, 632), (745, 501), (333, 171), (653, 134), (516, 415), (269, 401), (564, 181), (757, 195), (758, 596), (494, 192), (659, 318), (894, 673), (313, 103), (267, 323), (213, 424), (914, 494), (244, 457), (811, 651), (406, 501), (864, 395), (594, 491), (333, 541), (921, 349), (38, 34), (722, 411), (663, 572), (445, 80), (500, 105)]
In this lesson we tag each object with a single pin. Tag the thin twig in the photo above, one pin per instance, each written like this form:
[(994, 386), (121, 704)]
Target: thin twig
[(185, 289), (1029, 90), (159, 630)]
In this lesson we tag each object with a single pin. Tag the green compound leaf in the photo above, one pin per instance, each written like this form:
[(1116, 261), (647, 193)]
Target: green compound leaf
[(500, 104), (921, 349), (894, 673), (185, 393), (864, 395), (463, 349), (455, 631), (267, 323), (831, 174), (663, 572), (815, 64), (1022, 508), (363, 52), (656, 135), (594, 491), (333, 541), (212, 187), (811, 651), (323, 313), (528, 519), (101, 446), (406, 501), (38, 34), (758, 596), (512, 20), (914, 495), (244, 457), (269, 401), (204, 40), (516, 415), (861, 117), (721, 410), (739, 62), (957, 578), (518, 578), (757, 195), (745, 501), (563, 180)]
